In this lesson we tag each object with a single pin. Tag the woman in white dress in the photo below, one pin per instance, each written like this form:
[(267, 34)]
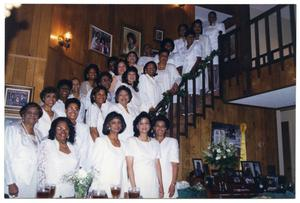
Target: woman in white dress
[(150, 92), (83, 139), (132, 59), (20, 154), (58, 157), (147, 56), (97, 111), (63, 88), (108, 157), (48, 97), (131, 80), (123, 98), (180, 42), (75, 93), (142, 157), (169, 156), (117, 78), (91, 73)]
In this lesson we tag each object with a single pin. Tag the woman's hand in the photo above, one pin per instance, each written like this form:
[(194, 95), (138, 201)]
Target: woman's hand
[(161, 191), (171, 190), (13, 190)]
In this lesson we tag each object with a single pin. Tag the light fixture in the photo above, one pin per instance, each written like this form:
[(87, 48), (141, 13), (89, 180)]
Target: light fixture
[(65, 40)]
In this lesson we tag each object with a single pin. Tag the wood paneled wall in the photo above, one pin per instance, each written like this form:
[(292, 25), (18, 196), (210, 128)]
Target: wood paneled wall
[(261, 135)]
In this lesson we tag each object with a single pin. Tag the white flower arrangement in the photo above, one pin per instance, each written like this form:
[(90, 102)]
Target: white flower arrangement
[(222, 155)]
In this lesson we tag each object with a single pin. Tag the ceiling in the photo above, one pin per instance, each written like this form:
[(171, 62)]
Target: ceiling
[(275, 99)]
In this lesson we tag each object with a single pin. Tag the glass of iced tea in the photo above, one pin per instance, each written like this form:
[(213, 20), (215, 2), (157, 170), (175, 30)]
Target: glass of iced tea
[(51, 188), (134, 192), (115, 191), (98, 194), (43, 192)]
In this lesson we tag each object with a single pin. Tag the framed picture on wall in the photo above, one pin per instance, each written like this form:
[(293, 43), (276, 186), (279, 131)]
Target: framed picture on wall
[(131, 41), (198, 166), (158, 34), (17, 96), (100, 41)]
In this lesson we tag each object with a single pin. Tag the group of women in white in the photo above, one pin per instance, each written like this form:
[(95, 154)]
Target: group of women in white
[(103, 125)]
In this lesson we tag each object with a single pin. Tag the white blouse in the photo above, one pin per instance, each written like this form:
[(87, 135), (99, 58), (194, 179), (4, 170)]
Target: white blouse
[(179, 44), (109, 166), (59, 108), (81, 114), (128, 117), (42, 127), (205, 45), (85, 87), (145, 155), (150, 92), (142, 62), (95, 116), (169, 153), (53, 165), (20, 160)]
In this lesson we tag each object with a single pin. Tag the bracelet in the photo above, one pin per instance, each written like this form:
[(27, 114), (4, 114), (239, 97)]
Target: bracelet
[(173, 184)]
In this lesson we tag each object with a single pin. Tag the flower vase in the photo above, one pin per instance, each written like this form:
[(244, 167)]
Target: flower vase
[(80, 191)]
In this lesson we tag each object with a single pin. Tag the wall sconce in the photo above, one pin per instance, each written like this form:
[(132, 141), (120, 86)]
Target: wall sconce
[(65, 40)]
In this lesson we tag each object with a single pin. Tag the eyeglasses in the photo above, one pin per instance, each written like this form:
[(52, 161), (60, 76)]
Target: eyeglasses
[(62, 129)]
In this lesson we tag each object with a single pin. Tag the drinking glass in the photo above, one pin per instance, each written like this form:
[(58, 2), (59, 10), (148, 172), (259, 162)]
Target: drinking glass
[(98, 194), (134, 192), (115, 191), (43, 192), (51, 188)]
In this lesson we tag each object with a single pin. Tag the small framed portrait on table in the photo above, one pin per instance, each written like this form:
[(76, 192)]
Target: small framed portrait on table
[(198, 167)]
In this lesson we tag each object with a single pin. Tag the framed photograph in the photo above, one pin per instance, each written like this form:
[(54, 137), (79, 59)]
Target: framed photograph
[(100, 41), (131, 41), (251, 168), (11, 118), (17, 96), (158, 34), (198, 167)]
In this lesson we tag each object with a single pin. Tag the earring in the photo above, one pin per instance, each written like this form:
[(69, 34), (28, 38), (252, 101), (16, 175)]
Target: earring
[(108, 128)]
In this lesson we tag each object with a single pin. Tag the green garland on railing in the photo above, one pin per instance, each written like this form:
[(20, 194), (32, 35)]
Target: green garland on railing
[(163, 105)]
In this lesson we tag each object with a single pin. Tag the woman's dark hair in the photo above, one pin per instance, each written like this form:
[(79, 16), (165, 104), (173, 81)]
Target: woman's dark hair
[(167, 41), (132, 36), (136, 122), (150, 62), (114, 60), (96, 90), (103, 74), (52, 131), (132, 52), (161, 118), (197, 21), (48, 90), (163, 50), (182, 25), (88, 68), (109, 118), (189, 32), (71, 101), (212, 13), (125, 77), (25, 108), (120, 61), (123, 87), (64, 82)]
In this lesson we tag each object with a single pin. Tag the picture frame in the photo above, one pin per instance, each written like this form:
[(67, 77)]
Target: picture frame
[(158, 34), (251, 168), (17, 96), (100, 41), (131, 40), (198, 167)]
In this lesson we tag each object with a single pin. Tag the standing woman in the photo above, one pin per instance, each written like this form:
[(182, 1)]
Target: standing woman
[(123, 98), (20, 154), (142, 157), (150, 92), (169, 156), (75, 93), (57, 157), (132, 59), (63, 87), (97, 111), (48, 96), (131, 80), (91, 74), (108, 156), (117, 78)]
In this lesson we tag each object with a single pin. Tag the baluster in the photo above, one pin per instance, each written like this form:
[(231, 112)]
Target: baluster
[(186, 109), (194, 103), (279, 29), (171, 116)]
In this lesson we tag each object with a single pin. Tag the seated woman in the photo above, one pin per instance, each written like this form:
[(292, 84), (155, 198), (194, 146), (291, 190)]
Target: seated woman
[(131, 80), (63, 87), (142, 157), (91, 74), (97, 111), (108, 157), (150, 92), (83, 139), (57, 157), (48, 97), (169, 156), (20, 154), (123, 98)]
